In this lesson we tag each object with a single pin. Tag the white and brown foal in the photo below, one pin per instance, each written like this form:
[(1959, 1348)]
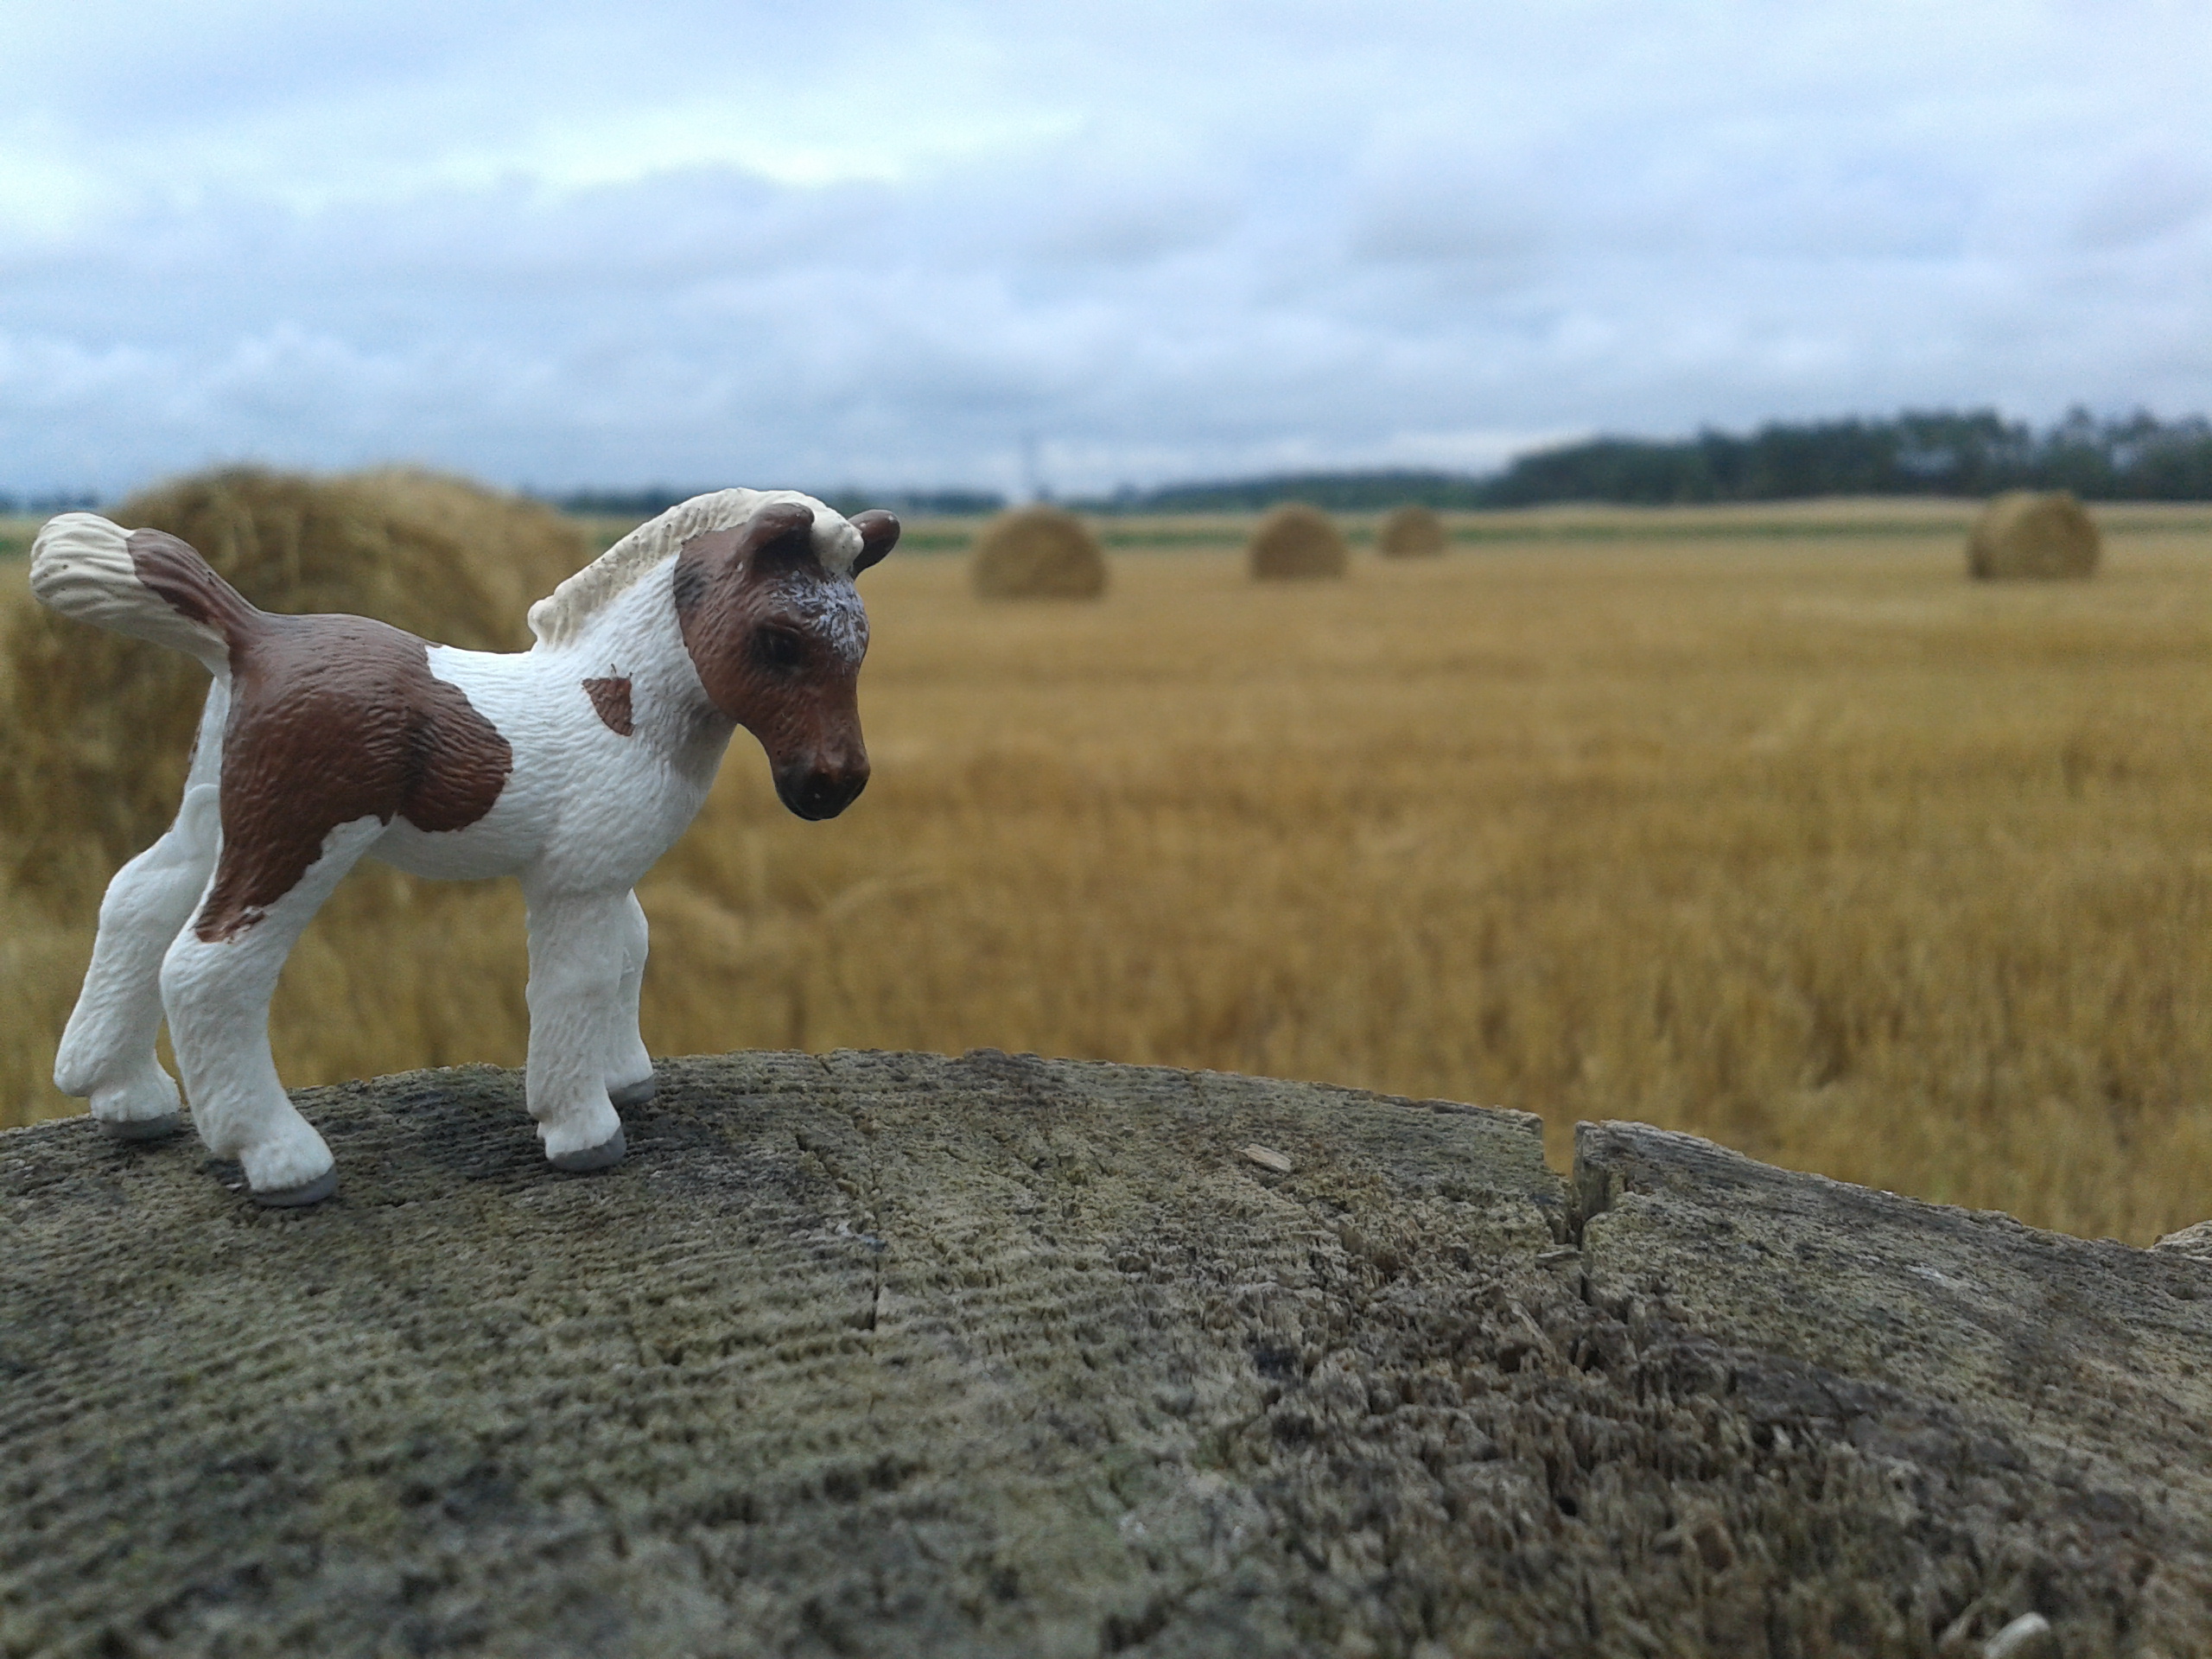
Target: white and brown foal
[(573, 766)]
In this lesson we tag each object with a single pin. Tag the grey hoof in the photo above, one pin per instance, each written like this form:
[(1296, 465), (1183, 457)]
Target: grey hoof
[(291, 1197), (634, 1094), (607, 1153), (141, 1128)]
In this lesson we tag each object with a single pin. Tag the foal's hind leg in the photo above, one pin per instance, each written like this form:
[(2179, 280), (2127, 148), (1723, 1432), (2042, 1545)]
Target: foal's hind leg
[(216, 993), (629, 1067), (107, 1049)]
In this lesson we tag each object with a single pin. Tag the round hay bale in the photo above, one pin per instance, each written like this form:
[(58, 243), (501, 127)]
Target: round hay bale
[(1296, 542), (1411, 532), (99, 726), (2026, 533), (1039, 552)]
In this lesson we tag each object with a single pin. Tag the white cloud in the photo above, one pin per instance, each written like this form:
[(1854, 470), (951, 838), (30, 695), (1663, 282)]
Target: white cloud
[(2144, 198), (571, 243)]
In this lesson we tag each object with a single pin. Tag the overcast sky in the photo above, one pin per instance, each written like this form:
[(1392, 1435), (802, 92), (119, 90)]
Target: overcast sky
[(565, 241)]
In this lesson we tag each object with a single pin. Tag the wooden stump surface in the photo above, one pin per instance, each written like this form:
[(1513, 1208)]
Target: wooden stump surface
[(887, 1354)]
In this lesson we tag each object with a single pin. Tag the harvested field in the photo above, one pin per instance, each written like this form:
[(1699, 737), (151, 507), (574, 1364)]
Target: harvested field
[(1761, 823)]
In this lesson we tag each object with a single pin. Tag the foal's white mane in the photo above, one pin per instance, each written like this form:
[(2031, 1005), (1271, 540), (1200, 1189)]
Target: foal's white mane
[(562, 613)]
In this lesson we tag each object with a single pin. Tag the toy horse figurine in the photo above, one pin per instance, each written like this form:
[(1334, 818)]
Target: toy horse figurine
[(574, 766)]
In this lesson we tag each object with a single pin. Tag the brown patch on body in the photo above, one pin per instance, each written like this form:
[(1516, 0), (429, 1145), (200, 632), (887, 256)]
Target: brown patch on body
[(333, 719), (610, 698)]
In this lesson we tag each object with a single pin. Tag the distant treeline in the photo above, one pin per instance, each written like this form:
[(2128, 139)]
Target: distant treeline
[(644, 504), (1333, 492), (39, 505), (1938, 453), (1976, 453)]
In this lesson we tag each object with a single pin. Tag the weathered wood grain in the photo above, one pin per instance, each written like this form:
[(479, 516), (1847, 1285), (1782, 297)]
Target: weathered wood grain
[(892, 1353)]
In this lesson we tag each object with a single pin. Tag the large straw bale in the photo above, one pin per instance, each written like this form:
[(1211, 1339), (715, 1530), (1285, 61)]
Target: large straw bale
[(99, 726), (2026, 533), (1297, 542), (1411, 532), (1039, 552)]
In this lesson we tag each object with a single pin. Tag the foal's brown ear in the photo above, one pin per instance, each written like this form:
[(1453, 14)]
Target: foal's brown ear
[(781, 534), (879, 535)]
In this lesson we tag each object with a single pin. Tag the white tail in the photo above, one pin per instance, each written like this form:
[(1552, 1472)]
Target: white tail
[(81, 566)]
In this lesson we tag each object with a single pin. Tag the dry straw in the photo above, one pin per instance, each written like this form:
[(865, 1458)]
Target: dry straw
[(1039, 553), (1296, 541), (2026, 534), (1411, 532), (99, 726)]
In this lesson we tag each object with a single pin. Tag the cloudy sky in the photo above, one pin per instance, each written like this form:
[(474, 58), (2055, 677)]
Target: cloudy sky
[(569, 242)]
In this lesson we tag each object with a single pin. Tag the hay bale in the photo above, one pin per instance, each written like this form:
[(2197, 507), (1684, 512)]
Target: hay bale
[(2026, 533), (1039, 552), (1295, 543), (99, 726), (1411, 532)]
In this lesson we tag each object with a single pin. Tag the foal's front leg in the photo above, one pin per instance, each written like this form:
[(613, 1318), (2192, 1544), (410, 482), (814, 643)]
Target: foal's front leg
[(582, 1006), (629, 1067)]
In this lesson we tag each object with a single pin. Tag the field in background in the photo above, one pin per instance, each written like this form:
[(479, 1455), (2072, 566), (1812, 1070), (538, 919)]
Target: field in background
[(16, 533), (1759, 822)]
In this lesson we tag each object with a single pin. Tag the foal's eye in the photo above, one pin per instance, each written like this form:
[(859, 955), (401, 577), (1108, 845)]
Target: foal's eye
[(779, 648)]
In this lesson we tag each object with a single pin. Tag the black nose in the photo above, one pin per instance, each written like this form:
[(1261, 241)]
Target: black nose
[(818, 792)]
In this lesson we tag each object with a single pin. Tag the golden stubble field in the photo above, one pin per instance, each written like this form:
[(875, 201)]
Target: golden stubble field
[(1765, 824)]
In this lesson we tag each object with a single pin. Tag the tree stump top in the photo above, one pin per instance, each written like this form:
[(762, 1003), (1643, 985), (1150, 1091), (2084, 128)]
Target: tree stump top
[(893, 1353)]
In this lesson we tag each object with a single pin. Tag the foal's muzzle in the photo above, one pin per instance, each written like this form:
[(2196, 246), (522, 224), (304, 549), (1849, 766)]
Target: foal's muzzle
[(816, 792)]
